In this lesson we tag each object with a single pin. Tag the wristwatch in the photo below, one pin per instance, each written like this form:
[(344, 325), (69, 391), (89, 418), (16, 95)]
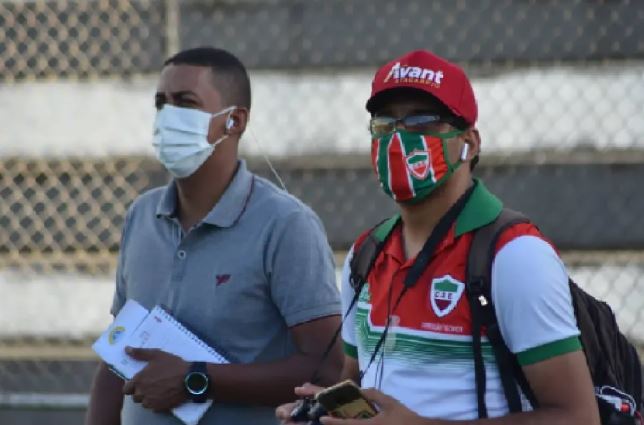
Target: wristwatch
[(197, 382)]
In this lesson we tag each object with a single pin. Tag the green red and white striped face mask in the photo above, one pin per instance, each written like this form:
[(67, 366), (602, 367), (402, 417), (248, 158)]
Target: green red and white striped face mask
[(410, 166)]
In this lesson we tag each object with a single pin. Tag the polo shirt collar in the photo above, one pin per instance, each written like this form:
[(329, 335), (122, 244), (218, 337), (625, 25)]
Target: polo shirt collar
[(167, 205), (480, 209), (233, 202), (227, 210)]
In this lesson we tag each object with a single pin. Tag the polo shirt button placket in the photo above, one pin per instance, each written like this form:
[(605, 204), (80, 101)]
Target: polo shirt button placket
[(177, 275)]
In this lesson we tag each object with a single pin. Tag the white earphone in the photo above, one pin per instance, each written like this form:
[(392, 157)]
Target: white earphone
[(230, 123), (465, 151)]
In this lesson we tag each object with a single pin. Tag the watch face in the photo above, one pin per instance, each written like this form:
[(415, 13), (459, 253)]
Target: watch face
[(196, 383)]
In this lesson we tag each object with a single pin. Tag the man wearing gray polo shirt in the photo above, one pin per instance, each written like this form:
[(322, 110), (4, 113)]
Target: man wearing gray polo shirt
[(239, 262)]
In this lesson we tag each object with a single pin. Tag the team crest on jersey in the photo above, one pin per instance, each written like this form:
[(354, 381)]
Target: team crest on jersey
[(444, 294), (418, 164)]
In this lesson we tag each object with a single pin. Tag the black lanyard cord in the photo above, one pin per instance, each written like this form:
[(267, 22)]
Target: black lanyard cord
[(420, 264), (383, 336), (354, 300), (438, 234)]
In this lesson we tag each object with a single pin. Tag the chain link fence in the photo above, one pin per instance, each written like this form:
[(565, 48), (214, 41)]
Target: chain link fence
[(63, 39), (560, 86), (62, 215)]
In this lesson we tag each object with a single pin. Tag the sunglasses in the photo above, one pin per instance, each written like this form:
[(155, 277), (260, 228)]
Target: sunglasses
[(423, 123)]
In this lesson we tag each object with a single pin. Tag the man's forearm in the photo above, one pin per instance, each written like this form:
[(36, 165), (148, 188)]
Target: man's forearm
[(541, 416), (350, 370), (106, 399), (269, 384)]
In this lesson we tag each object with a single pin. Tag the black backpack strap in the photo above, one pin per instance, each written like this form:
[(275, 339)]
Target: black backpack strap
[(365, 254), (479, 270)]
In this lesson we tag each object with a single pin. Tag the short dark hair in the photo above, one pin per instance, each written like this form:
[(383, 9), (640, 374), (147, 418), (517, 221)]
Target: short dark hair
[(229, 74)]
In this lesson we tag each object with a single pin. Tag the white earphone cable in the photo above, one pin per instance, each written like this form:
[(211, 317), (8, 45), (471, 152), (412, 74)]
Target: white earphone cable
[(268, 161)]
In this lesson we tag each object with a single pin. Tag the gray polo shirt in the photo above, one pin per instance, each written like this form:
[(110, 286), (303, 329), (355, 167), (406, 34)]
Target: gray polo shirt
[(257, 264)]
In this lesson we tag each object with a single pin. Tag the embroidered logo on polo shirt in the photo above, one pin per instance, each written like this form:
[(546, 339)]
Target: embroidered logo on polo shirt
[(222, 278), (444, 294)]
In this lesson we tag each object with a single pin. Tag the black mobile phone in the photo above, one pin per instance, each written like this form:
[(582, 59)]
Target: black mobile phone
[(344, 400)]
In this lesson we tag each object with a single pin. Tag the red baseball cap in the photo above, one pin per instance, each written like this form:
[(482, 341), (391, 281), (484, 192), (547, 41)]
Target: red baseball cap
[(423, 70)]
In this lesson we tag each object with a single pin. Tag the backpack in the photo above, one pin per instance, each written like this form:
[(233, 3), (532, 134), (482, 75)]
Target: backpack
[(613, 361)]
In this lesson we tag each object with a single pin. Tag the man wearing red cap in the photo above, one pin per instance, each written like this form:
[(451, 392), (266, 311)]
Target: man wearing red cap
[(410, 332)]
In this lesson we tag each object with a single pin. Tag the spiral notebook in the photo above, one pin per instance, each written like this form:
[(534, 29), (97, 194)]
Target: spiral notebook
[(135, 326)]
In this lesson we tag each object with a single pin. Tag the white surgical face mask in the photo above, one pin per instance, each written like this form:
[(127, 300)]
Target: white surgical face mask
[(181, 138)]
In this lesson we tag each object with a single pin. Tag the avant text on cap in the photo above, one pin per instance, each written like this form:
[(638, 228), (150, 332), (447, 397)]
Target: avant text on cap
[(414, 74)]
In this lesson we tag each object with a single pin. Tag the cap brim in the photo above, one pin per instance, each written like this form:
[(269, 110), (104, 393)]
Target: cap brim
[(375, 102)]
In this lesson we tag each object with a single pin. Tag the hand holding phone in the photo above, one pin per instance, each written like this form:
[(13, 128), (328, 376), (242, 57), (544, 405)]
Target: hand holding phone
[(345, 400)]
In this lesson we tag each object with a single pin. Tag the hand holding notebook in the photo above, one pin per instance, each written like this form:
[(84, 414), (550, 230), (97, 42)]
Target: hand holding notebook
[(134, 326)]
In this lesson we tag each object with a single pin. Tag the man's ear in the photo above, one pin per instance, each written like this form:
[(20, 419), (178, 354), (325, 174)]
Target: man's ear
[(472, 144), (237, 121)]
